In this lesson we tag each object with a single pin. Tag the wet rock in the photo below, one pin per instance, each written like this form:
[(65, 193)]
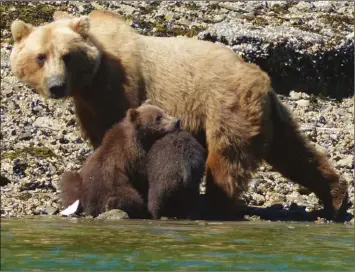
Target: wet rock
[(4, 181), (294, 58), (218, 18), (25, 136), (51, 210), (350, 36), (46, 122), (114, 214), (303, 103), (347, 162)]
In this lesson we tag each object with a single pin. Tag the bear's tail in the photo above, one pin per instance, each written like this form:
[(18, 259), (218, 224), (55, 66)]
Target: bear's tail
[(70, 186)]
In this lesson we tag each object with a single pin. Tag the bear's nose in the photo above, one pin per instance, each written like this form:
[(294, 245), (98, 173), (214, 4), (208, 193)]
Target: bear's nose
[(57, 88), (177, 123)]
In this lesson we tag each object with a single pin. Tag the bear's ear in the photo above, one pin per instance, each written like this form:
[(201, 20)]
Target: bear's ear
[(57, 15), (147, 102), (81, 25), (132, 115), (20, 30)]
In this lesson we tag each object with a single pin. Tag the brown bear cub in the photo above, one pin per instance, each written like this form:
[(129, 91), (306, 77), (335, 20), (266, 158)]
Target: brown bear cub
[(113, 177), (176, 164)]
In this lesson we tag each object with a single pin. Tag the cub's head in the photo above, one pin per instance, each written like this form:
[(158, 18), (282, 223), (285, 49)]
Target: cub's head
[(56, 59), (152, 122)]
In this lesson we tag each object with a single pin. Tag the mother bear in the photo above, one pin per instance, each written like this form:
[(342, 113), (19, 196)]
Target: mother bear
[(228, 104)]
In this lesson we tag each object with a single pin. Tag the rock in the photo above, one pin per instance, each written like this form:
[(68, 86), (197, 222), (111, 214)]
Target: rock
[(273, 4), (293, 58), (184, 21), (218, 18), (303, 190), (25, 136), (303, 103), (230, 7), (259, 199), (302, 6), (347, 162), (46, 122), (248, 16), (51, 210), (4, 181), (350, 36), (277, 206), (325, 6), (169, 16), (114, 214), (295, 95), (96, 5)]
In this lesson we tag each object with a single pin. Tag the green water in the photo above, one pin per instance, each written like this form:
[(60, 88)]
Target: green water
[(44, 243)]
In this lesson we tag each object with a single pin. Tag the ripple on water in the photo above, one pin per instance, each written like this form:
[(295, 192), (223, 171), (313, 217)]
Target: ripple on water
[(61, 243)]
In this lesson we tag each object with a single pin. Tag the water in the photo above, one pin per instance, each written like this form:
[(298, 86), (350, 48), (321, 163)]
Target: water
[(44, 243)]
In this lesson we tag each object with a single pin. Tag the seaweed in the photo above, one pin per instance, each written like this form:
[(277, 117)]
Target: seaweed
[(42, 152), (36, 14)]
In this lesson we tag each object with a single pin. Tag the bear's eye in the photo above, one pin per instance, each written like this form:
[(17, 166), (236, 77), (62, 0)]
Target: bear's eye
[(158, 118), (66, 58), (41, 58)]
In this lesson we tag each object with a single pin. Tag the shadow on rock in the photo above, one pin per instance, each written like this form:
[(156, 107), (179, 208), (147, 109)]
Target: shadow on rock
[(294, 213)]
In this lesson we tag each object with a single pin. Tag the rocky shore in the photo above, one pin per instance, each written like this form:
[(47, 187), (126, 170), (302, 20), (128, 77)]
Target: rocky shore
[(306, 47)]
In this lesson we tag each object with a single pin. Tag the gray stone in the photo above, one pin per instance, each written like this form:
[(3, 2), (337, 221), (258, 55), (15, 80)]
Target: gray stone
[(218, 18), (46, 122), (25, 136), (51, 210), (295, 95), (346, 162), (307, 60), (303, 103), (114, 214)]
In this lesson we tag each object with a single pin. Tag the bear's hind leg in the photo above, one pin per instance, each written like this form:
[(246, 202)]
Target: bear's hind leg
[(128, 200), (295, 158)]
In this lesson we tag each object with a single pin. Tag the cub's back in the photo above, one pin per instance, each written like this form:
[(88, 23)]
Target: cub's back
[(177, 152)]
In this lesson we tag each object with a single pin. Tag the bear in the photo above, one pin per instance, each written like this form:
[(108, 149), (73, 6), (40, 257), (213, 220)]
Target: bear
[(175, 168), (113, 177), (106, 67)]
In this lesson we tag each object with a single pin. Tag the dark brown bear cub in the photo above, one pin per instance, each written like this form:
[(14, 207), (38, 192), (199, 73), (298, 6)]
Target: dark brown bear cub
[(176, 164), (114, 177)]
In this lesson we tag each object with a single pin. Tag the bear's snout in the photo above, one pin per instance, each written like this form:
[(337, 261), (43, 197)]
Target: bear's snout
[(57, 87)]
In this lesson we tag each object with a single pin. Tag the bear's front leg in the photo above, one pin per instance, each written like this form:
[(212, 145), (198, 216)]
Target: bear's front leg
[(221, 189)]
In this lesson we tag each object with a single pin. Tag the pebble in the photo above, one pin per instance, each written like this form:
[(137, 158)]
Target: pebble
[(51, 210), (113, 215), (347, 162), (303, 103)]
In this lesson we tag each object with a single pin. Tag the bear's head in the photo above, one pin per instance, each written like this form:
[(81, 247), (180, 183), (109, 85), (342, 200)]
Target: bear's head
[(57, 59), (152, 122)]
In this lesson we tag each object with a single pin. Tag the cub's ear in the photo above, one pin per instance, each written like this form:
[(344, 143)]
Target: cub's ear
[(81, 25), (20, 30), (132, 114), (57, 15), (147, 102)]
